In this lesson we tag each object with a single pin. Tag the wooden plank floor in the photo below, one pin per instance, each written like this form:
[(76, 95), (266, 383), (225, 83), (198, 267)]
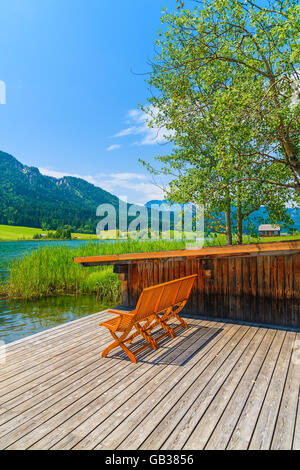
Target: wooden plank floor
[(214, 386)]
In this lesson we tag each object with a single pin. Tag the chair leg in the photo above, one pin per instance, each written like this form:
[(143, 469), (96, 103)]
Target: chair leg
[(179, 318), (111, 346), (174, 313), (129, 353), (145, 328), (142, 331), (162, 323), (119, 342)]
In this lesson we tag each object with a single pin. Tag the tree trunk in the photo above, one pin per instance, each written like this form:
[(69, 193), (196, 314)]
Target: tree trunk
[(293, 160), (290, 151), (228, 221), (239, 235)]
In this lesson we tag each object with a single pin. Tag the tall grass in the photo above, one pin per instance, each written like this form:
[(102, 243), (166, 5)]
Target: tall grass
[(220, 239), (51, 270)]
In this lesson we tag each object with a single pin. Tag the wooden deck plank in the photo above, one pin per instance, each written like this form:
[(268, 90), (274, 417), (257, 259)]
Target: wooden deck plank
[(205, 426), (296, 358), (47, 357), (173, 432), (26, 383), (51, 339), (128, 435), (45, 352), (80, 426), (81, 398), (28, 417), (196, 381), (34, 429), (284, 430), (225, 426), (55, 332), (89, 358), (263, 432), (243, 431), (236, 389), (89, 432)]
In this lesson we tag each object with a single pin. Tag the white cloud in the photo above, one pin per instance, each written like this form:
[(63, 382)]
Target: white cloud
[(113, 147), (138, 188), (139, 125), (2, 92), (134, 113), (128, 176), (129, 131), (60, 174)]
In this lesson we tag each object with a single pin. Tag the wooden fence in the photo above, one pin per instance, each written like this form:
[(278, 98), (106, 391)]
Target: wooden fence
[(260, 289), (259, 286)]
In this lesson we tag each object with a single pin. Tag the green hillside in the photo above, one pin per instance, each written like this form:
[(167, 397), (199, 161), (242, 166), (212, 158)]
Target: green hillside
[(13, 233), (30, 199), (8, 232)]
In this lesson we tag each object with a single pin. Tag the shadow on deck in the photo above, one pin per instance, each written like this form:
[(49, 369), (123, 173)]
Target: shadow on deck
[(178, 354)]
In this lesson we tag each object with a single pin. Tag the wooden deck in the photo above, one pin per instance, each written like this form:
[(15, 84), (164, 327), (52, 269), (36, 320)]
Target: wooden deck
[(214, 386)]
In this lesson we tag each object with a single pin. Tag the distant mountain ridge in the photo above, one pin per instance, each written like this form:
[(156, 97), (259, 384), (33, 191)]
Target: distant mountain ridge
[(28, 198), (255, 219)]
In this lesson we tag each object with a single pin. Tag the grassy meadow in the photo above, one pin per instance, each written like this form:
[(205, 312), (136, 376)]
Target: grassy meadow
[(11, 233), (221, 239)]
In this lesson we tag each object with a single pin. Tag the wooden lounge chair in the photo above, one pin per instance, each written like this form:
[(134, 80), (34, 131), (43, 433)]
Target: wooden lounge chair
[(157, 305)]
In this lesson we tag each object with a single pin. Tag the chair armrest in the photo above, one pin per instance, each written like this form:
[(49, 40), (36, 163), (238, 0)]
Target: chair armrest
[(121, 312)]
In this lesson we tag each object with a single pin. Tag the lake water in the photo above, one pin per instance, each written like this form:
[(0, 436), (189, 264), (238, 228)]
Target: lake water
[(11, 250), (19, 319)]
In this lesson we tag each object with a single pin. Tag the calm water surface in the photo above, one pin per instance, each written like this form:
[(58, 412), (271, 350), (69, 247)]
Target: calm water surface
[(19, 319)]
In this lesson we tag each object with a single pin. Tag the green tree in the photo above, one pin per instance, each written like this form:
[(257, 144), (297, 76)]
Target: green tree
[(227, 81), (239, 53)]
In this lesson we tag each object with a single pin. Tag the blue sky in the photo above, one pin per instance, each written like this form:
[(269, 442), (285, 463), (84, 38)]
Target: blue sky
[(72, 89)]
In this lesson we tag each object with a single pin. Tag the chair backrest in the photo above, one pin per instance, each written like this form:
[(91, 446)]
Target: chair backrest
[(158, 298), (184, 289)]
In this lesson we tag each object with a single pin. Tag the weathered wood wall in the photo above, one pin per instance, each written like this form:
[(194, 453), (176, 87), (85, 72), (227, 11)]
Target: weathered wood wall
[(261, 289)]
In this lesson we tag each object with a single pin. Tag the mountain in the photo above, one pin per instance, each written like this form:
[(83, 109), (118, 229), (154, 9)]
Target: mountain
[(156, 202), (255, 219), (164, 205), (261, 216), (28, 198)]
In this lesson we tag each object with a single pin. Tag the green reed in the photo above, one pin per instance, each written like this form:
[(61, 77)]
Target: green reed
[(51, 270)]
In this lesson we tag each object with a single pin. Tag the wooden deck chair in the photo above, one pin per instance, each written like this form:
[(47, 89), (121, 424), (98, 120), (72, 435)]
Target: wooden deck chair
[(174, 299), (156, 306)]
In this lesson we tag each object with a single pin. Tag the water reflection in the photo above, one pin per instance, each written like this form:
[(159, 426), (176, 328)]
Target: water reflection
[(19, 319)]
